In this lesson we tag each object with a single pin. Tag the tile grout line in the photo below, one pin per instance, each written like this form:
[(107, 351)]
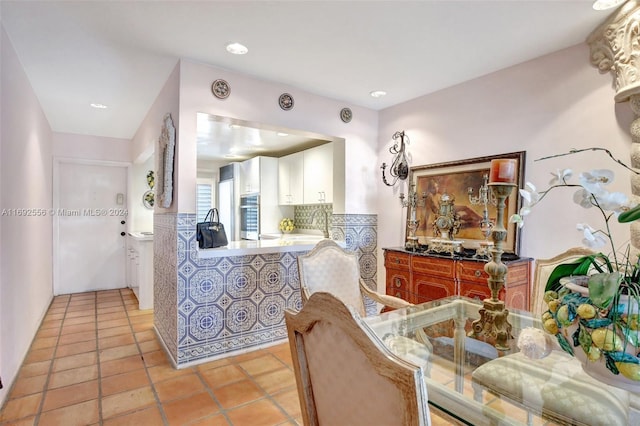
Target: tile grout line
[(209, 390), (163, 415), (95, 304), (36, 418), (269, 396)]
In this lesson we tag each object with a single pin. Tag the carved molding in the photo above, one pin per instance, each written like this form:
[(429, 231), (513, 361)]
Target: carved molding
[(615, 48)]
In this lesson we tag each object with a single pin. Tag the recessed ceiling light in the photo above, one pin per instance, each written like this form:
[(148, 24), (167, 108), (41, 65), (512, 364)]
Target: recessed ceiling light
[(99, 106), (237, 48), (606, 4), (282, 134), (378, 93)]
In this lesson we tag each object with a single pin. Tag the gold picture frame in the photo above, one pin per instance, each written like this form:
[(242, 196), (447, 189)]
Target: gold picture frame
[(455, 178)]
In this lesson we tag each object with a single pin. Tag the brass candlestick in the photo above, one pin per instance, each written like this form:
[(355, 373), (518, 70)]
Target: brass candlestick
[(412, 202), (493, 321)]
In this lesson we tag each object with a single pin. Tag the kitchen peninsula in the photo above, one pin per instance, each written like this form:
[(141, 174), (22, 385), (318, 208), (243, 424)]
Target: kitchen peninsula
[(294, 242), (225, 300)]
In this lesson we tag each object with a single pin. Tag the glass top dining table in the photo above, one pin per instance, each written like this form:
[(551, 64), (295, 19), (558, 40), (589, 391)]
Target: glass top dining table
[(470, 382)]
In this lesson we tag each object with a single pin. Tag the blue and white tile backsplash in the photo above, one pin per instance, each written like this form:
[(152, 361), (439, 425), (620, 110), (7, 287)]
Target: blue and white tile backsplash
[(207, 308)]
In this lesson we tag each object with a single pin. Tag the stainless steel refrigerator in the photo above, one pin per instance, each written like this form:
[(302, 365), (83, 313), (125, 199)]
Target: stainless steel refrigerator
[(229, 200)]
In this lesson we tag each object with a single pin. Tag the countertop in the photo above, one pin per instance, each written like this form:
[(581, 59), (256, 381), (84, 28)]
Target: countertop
[(246, 247), (142, 236), (466, 254)]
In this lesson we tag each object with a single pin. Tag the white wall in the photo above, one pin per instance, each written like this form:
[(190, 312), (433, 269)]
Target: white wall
[(89, 147), (145, 140), (545, 106), (26, 286), (257, 101)]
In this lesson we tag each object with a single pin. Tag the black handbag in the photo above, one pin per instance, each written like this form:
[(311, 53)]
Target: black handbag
[(210, 233)]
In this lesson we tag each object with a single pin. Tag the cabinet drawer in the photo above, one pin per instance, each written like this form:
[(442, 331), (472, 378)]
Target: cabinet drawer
[(393, 291), (471, 271), (433, 266), (477, 291), (398, 280), (518, 273), (395, 259)]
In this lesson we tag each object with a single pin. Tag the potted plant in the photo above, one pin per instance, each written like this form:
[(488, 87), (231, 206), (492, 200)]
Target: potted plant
[(593, 301)]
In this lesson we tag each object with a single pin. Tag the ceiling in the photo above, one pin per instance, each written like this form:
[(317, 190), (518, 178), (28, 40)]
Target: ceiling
[(120, 53)]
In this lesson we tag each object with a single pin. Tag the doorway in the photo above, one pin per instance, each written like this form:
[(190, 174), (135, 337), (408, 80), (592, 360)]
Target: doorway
[(89, 224)]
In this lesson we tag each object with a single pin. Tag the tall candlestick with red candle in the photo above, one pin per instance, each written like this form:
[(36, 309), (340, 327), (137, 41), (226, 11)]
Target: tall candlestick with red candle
[(493, 322), (503, 170)]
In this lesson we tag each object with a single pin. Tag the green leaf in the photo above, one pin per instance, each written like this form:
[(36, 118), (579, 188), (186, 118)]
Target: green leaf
[(623, 357), (611, 364), (579, 266), (564, 344), (597, 322), (630, 215)]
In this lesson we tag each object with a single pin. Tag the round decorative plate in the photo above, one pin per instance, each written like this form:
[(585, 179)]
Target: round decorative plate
[(346, 115), (148, 199), (286, 101), (220, 89)]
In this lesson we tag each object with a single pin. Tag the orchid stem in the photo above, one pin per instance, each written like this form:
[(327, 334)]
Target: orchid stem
[(575, 151)]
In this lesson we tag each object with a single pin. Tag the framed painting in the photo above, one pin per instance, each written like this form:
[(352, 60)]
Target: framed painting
[(462, 181)]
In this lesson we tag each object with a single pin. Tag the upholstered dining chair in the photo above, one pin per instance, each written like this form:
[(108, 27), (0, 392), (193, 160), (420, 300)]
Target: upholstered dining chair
[(346, 375), (542, 272), (329, 268)]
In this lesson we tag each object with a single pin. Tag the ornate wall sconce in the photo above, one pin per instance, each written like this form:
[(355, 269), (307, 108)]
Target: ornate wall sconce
[(400, 166)]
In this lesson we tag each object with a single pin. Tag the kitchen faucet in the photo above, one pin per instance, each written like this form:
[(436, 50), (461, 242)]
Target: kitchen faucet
[(326, 219)]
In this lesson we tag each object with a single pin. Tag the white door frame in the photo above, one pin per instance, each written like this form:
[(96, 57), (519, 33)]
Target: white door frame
[(57, 162)]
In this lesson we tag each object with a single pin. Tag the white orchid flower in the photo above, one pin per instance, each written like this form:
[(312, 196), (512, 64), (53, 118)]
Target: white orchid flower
[(561, 176), (594, 180), (613, 201), (582, 197), (529, 194), (592, 238), (518, 218)]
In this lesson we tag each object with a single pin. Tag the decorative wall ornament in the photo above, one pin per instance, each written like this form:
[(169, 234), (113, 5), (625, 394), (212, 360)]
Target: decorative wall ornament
[(285, 101), (346, 115), (615, 48), (149, 197), (167, 145), (400, 167), (220, 89)]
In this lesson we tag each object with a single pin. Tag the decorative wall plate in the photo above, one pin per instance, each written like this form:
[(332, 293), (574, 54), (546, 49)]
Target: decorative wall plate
[(346, 115), (148, 199), (286, 101), (220, 89)]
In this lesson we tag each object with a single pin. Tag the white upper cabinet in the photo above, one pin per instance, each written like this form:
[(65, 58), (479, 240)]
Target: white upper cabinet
[(318, 174), (290, 179), (250, 176)]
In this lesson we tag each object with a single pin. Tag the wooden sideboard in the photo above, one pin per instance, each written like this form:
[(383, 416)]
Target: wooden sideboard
[(423, 277)]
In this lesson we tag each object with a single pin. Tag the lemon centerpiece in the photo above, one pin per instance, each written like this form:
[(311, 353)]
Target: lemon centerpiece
[(286, 225)]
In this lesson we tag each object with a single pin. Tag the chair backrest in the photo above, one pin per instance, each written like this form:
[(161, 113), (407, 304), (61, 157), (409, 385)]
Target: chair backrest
[(329, 268), (544, 268), (344, 373)]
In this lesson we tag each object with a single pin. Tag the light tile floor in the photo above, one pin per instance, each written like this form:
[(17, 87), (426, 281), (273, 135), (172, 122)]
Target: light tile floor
[(96, 361)]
